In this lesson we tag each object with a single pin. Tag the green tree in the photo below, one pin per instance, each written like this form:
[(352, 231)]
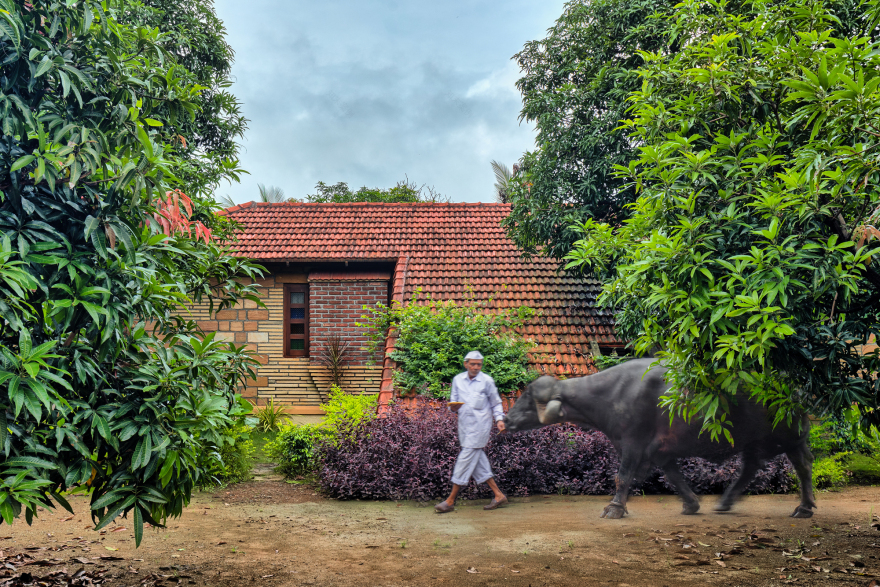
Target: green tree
[(405, 191), (575, 85), (105, 384), (747, 259), (204, 144)]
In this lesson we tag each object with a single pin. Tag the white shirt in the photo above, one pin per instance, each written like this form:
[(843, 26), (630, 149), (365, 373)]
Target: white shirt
[(482, 404)]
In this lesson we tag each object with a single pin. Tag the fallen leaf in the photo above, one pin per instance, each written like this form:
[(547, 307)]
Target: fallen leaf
[(472, 570), (68, 518), (110, 548), (221, 543), (266, 576), (119, 529), (721, 563), (512, 571)]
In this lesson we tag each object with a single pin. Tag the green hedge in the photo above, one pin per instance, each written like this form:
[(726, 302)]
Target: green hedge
[(433, 336)]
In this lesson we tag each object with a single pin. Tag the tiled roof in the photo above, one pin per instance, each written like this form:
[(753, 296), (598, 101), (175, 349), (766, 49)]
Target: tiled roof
[(449, 251)]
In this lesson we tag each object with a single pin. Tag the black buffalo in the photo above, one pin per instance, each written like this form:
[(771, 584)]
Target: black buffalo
[(622, 403)]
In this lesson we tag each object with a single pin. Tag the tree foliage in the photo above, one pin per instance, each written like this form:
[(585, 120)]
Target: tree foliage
[(433, 336), (747, 260), (105, 384), (205, 144), (575, 85), (405, 191)]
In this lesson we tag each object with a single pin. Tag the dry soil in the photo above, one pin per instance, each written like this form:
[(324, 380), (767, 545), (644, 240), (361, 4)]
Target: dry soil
[(273, 533)]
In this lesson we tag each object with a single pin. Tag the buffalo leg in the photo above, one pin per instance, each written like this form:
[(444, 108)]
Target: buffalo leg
[(629, 468), (750, 467), (691, 501), (802, 460)]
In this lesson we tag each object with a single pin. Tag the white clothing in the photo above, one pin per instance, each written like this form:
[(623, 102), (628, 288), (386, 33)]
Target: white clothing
[(471, 462), (482, 405)]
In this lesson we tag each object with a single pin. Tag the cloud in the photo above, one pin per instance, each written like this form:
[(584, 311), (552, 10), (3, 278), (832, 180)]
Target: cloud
[(368, 92)]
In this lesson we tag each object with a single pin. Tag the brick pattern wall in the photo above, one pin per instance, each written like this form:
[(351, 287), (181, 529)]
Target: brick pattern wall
[(335, 307), (298, 382)]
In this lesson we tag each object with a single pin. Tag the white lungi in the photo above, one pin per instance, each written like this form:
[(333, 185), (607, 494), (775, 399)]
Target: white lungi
[(471, 462)]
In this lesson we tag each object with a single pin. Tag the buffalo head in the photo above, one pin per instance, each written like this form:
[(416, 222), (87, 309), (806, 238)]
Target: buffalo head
[(537, 406)]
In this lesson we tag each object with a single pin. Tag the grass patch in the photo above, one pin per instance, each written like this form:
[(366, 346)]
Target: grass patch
[(260, 440), (864, 469)]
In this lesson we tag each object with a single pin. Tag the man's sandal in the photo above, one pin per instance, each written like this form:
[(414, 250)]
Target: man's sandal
[(443, 508), (494, 504)]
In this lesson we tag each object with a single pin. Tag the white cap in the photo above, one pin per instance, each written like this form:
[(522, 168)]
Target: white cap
[(473, 356)]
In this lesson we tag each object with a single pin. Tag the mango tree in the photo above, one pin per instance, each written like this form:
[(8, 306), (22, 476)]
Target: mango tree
[(105, 384)]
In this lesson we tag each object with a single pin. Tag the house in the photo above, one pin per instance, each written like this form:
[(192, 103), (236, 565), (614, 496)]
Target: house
[(326, 262)]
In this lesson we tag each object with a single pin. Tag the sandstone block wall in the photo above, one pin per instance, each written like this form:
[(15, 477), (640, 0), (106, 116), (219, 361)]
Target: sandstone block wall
[(301, 383)]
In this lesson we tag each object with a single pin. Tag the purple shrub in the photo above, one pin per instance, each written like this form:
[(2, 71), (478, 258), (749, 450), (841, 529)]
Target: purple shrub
[(409, 454)]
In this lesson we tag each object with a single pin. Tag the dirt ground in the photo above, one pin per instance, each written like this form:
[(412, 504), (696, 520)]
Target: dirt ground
[(273, 533)]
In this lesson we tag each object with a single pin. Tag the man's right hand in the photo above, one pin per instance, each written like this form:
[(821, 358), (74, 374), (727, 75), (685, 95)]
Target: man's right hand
[(454, 408)]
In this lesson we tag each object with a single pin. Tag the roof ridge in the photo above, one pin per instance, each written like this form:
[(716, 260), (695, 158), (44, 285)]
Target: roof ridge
[(370, 204)]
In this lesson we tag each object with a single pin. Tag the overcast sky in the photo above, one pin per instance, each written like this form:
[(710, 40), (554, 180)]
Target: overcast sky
[(368, 91)]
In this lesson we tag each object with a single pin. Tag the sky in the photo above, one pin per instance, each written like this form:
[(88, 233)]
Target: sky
[(371, 92)]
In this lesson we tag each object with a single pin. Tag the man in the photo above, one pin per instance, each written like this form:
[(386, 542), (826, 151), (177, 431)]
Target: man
[(480, 405)]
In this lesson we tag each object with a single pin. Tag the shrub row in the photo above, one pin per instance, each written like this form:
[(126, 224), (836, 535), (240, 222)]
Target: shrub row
[(410, 453)]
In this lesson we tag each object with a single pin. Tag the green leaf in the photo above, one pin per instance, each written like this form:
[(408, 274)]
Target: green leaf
[(138, 525), (22, 162), (90, 225), (6, 509), (44, 66), (30, 462)]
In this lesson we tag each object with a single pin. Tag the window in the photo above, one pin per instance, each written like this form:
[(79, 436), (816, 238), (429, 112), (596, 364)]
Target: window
[(296, 320)]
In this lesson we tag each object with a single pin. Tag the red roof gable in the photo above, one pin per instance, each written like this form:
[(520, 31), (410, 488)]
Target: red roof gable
[(446, 250)]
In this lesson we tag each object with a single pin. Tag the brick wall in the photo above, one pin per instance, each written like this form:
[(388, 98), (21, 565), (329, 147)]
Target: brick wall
[(335, 307), (300, 383)]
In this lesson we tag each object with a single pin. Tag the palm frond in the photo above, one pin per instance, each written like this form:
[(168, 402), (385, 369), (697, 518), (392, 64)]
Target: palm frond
[(271, 193), (503, 175)]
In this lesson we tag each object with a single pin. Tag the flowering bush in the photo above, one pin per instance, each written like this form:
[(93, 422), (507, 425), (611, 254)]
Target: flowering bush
[(409, 454)]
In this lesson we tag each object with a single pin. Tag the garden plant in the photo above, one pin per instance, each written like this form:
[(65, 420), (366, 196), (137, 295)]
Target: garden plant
[(106, 386), (742, 262), (433, 336)]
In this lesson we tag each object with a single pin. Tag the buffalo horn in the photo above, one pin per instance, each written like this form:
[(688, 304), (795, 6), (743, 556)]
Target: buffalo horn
[(552, 412)]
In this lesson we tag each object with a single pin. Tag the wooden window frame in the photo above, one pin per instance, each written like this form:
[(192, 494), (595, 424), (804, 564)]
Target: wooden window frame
[(288, 289)]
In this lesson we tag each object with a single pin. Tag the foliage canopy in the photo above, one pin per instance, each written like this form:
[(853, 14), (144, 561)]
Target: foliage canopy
[(746, 260), (105, 384), (405, 192), (575, 85)]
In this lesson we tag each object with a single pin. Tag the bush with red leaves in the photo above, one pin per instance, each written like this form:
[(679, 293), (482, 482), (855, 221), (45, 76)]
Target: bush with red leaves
[(409, 454)]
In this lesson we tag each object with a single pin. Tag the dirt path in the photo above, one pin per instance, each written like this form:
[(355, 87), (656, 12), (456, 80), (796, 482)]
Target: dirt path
[(273, 533)]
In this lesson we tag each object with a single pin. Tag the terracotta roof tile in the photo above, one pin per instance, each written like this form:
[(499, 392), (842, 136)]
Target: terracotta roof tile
[(450, 250)]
